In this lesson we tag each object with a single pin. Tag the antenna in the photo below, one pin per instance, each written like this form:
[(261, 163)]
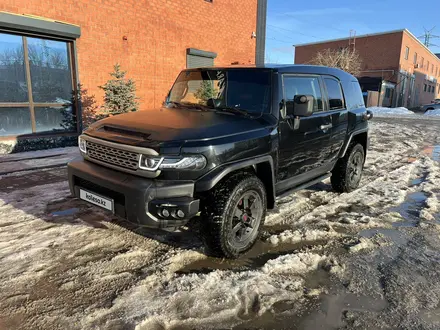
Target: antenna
[(352, 40), (427, 36)]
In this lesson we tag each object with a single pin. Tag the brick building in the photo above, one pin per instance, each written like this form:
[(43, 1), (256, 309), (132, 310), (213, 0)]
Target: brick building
[(396, 64), (48, 46)]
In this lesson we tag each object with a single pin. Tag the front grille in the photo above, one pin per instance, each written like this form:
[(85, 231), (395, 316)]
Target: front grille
[(113, 156)]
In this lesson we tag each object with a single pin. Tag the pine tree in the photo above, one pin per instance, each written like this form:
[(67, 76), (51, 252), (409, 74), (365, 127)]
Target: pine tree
[(120, 93), (206, 91), (89, 109)]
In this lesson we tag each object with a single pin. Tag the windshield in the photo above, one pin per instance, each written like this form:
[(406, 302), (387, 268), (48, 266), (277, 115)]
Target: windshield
[(234, 89)]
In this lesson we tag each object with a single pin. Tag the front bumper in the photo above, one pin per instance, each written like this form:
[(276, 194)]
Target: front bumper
[(135, 198)]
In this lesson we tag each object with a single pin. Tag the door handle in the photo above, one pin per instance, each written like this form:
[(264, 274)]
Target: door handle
[(325, 127)]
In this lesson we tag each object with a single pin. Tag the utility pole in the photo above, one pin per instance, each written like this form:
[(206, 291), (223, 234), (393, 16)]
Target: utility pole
[(427, 36)]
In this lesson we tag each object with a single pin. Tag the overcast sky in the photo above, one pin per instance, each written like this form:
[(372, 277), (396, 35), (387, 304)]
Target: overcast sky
[(294, 22)]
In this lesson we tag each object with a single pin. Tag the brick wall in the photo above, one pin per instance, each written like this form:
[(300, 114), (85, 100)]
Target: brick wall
[(380, 52), (158, 33), (423, 97)]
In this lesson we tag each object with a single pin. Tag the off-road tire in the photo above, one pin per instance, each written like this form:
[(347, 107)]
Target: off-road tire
[(341, 179), (217, 214)]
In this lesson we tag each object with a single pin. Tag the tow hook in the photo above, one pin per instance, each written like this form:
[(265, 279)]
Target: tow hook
[(367, 115)]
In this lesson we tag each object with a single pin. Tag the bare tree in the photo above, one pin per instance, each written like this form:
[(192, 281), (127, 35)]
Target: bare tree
[(344, 59)]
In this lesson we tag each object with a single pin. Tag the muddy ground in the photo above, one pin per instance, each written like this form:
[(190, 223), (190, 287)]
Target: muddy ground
[(367, 259)]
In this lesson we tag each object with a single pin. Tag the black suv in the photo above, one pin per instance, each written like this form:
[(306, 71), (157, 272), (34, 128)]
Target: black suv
[(226, 144)]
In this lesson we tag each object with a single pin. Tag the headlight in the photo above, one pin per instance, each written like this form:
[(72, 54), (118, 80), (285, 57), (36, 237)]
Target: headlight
[(151, 163), (82, 144)]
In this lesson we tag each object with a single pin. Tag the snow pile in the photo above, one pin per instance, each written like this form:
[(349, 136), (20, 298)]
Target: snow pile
[(433, 112), (219, 297), (364, 244), (390, 112), (291, 236)]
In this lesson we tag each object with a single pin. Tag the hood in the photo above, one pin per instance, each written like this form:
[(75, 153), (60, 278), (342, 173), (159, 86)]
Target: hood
[(154, 127)]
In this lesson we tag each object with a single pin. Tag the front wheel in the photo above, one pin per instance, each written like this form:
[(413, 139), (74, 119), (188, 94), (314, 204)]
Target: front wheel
[(233, 214), (347, 173)]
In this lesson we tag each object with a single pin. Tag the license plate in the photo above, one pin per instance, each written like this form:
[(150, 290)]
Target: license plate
[(104, 202)]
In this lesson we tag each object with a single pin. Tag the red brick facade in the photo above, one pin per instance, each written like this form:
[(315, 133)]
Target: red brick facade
[(157, 32), (384, 55)]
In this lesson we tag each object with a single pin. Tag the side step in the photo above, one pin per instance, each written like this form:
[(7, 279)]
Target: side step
[(304, 185)]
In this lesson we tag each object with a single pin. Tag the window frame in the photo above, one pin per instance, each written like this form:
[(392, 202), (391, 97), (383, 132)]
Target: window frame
[(344, 103), (415, 57), (305, 75), (31, 104), (406, 52)]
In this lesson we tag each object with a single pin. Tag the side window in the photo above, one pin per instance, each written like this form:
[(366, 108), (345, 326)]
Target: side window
[(296, 85), (335, 98), (355, 99)]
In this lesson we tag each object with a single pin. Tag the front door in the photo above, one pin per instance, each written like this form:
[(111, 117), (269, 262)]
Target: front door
[(304, 149)]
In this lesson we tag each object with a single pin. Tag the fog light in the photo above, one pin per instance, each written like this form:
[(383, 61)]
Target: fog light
[(180, 214), (165, 213)]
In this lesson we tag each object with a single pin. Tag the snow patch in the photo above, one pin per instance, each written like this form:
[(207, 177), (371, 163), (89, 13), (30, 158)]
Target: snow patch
[(390, 112), (364, 244), (220, 297), (433, 112), (295, 236)]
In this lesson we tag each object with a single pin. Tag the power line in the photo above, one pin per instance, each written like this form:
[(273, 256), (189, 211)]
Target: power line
[(279, 40), (303, 34), (284, 34), (319, 24)]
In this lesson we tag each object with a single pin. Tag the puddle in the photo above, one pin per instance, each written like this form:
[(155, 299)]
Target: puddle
[(398, 238), (419, 180), (327, 313), (433, 152), (64, 213), (257, 257), (333, 307), (74, 212), (410, 209)]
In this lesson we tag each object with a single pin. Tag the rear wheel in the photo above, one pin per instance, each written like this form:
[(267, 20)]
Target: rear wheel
[(347, 173), (233, 214)]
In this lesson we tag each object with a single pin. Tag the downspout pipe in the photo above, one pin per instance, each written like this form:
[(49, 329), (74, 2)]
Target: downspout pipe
[(260, 48)]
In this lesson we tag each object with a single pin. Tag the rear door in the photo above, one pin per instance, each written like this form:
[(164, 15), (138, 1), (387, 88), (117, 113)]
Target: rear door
[(337, 109), (304, 150)]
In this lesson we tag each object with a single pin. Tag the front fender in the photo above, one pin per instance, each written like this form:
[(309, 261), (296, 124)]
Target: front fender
[(263, 167)]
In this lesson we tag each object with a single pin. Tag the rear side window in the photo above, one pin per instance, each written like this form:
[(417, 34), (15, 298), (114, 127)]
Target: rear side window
[(298, 85), (335, 98), (355, 98)]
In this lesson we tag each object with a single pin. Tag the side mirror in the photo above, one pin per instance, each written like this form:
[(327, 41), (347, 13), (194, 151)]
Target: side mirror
[(301, 106)]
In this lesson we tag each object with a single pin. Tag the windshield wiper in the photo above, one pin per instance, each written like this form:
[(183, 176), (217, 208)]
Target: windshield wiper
[(235, 111), (192, 105)]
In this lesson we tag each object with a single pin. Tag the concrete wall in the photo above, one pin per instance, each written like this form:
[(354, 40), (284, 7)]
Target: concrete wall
[(158, 33)]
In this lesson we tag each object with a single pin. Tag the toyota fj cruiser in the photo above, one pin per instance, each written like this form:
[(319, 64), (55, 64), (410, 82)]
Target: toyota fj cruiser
[(226, 144)]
